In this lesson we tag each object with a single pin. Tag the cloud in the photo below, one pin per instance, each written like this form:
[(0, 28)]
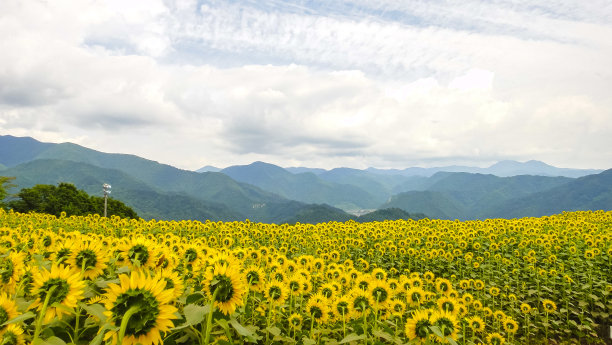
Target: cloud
[(387, 84)]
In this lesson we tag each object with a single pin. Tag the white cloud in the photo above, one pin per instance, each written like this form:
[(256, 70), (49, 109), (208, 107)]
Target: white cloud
[(227, 84)]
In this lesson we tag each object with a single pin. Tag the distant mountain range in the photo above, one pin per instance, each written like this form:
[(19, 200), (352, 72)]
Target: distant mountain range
[(268, 193)]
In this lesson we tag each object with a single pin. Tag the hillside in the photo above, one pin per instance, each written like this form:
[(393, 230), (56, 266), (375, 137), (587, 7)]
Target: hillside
[(148, 202), (305, 187), (593, 192)]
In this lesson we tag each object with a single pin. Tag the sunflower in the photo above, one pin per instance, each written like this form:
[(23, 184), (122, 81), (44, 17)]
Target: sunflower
[(255, 278), (510, 325), (360, 302), (380, 292), (397, 307), (328, 290), (295, 321), (476, 324), (228, 284), (443, 285), (447, 323), (341, 305), (417, 327), (89, 258), (379, 274), (63, 251), (11, 269), (525, 308), (549, 306), (8, 309), (415, 296), (174, 282), (67, 289), (12, 335), (140, 253), (146, 303), (294, 283), (495, 339), (317, 309), (276, 292)]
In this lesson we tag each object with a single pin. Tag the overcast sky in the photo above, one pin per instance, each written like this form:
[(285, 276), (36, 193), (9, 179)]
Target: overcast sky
[(315, 83)]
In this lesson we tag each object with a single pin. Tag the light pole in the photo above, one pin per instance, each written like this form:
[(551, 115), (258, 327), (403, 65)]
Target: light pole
[(107, 190)]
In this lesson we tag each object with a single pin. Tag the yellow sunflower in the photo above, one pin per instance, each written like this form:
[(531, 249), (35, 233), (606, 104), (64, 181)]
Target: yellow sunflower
[(360, 302), (510, 325), (140, 253), (90, 258), (174, 282), (295, 321), (476, 323), (317, 309), (146, 304), (11, 269), (447, 304), (8, 309), (415, 296), (255, 278), (417, 326), (12, 335), (276, 292), (67, 289), (447, 323), (228, 284), (549, 306), (495, 339)]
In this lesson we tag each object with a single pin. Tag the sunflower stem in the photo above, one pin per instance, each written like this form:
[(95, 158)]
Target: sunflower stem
[(124, 322), (43, 311), (210, 317)]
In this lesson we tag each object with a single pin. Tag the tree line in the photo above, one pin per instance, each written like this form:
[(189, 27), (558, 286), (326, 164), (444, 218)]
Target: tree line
[(65, 197)]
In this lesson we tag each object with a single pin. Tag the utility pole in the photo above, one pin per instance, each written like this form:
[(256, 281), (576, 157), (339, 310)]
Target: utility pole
[(107, 190)]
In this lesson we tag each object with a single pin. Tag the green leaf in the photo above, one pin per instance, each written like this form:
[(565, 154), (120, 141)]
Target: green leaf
[(243, 331), (352, 337), (54, 341), (96, 310), (308, 341), (97, 340), (436, 330), (274, 330), (20, 318), (194, 315), (381, 334)]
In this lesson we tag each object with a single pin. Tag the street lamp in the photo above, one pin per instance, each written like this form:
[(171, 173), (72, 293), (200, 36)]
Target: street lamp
[(107, 190)]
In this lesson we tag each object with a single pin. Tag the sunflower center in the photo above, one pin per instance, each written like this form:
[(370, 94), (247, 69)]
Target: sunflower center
[(446, 326), (279, 276), (342, 307), (253, 277), (169, 283), (47, 241), (363, 285), (138, 255), (9, 338), (275, 292), (448, 306), (361, 303), (294, 286), (62, 288), (191, 255), (3, 315), (6, 270), (224, 287), (63, 254), (316, 312), (327, 292), (421, 328), (295, 321), (380, 294), (86, 258), (148, 309)]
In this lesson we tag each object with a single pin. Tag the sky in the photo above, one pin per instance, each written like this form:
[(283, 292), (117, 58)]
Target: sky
[(315, 83)]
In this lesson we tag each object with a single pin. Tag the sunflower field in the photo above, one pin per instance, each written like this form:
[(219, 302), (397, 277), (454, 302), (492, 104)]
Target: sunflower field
[(96, 280)]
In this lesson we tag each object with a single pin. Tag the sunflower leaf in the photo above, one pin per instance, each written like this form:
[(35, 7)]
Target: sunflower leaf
[(20, 318), (243, 331), (194, 314), (436, 330), (96, 310), (352, 337)]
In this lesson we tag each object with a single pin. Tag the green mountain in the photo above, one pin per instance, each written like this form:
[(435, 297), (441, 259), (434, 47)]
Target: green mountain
[(389, 214), (593, 192), (433, 204), (305, 187), (148, 202), (468, 196)]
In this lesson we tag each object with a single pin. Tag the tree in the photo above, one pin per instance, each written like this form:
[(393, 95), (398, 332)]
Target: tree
[(45, 198), (5, 185)]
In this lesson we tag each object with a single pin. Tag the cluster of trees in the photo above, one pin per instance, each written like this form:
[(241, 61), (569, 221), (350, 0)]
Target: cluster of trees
[(65, 197)]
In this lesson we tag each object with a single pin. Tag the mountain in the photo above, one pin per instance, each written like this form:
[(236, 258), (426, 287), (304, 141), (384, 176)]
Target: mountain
[(148, 202), (208, 168), (469, 196), (593, 192), (502, 169), (389, 214), (305, 187), (298, 170)]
